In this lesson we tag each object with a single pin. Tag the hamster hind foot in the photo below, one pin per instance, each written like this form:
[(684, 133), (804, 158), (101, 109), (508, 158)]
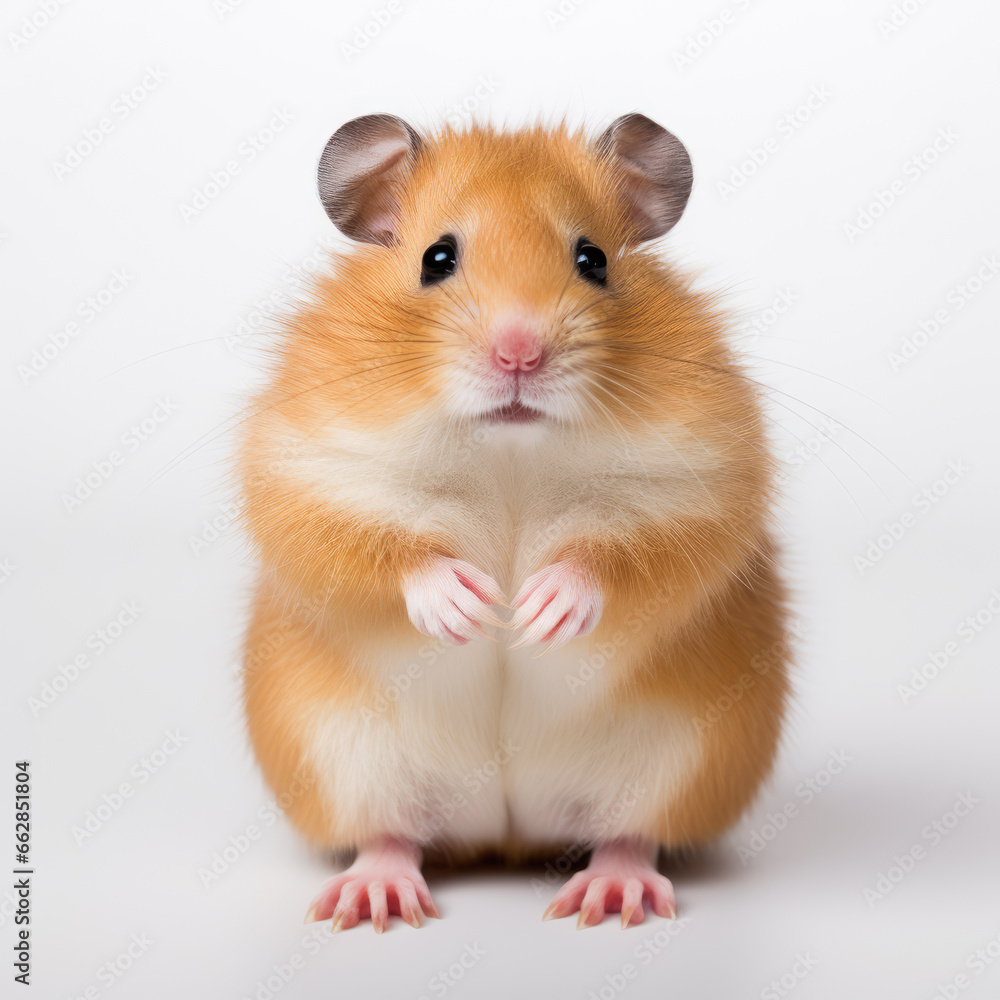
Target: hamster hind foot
[(620, 877), (384, 879)]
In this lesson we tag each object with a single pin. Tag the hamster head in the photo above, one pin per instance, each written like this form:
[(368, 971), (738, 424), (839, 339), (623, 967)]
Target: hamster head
[(501, 279)]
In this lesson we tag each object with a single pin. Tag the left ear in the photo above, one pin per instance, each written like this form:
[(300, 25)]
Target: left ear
[(364, 168), (655, 171)]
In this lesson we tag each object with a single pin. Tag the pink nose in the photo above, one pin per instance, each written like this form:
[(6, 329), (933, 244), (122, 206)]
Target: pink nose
[(517, 351)]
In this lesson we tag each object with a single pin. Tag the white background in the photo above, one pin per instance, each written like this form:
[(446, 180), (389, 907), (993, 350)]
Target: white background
[(195, 284)]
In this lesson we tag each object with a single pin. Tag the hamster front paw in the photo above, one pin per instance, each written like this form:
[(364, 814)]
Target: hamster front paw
[(450, 599), (557, 604)]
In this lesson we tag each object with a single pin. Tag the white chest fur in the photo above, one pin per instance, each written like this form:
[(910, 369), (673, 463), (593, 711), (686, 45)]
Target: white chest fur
[(478, 743), (507, 496)]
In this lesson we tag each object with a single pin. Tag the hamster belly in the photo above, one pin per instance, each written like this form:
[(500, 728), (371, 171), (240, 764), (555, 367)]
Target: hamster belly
[(419, 755), (582, 768)]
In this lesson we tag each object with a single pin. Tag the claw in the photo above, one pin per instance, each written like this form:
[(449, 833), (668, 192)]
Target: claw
[(450, 600), (557, 604), (384, 879), (620, 877)]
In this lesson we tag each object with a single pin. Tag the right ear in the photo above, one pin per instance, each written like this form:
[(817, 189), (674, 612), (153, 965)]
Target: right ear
[(362, 172), (655, 172)]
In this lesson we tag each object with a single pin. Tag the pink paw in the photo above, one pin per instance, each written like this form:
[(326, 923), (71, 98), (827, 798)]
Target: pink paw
[(557, 604), (617, 880), (382, 881), (449, 599)]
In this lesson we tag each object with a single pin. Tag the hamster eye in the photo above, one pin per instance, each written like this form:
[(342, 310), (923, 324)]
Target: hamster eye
[(440, 259), (591, 262)]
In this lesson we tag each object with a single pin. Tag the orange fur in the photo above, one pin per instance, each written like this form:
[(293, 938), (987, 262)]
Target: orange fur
[(373, 351)]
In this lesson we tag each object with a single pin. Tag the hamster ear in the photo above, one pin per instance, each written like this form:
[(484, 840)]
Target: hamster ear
[(361, 173), (656, 172)]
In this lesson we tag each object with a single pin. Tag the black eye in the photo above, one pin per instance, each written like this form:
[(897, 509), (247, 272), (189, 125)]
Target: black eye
[(440, 259), (591, 262)]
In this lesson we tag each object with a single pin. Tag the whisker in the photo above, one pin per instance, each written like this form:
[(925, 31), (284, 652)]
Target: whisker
[(806, 371), (209, 436), (772, 389), (763, 451), (673, 447)]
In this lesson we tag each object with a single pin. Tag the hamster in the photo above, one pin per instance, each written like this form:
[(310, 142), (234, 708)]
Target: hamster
[(512, 497)]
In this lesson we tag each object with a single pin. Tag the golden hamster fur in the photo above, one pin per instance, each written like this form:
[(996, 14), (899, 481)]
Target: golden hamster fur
[(510, 492)]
